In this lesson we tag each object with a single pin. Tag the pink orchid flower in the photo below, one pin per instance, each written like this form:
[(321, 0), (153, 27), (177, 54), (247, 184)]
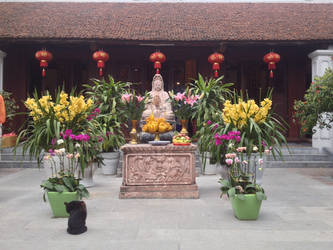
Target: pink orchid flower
[(126, 97), (139, 98), (179, 96)]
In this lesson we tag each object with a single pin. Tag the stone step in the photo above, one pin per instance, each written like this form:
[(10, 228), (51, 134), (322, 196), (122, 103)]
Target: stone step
[(299, 150), (300, 157), (299, 164), (12, 157), (18, 164)]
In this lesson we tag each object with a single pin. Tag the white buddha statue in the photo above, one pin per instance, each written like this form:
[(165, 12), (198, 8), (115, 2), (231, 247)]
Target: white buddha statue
[(160, 105)]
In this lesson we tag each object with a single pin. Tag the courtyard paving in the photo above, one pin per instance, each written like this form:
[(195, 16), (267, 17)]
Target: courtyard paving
[(297, 215)]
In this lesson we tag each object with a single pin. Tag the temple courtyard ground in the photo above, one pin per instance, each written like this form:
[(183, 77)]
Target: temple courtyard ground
[(297, 215)]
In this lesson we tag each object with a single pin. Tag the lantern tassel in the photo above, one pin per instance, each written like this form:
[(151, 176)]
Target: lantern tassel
[(157, 71), (43, 72), (216, 74), (100, 72), (271, 74)]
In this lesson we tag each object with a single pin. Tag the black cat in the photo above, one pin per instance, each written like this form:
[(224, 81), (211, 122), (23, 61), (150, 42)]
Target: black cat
[(77, 217)]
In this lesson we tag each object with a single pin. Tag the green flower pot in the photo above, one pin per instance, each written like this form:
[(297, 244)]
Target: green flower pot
[(247, 209), (57, 202)]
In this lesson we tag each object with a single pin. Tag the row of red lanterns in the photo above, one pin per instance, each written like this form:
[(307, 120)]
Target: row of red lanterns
[(157, 58)]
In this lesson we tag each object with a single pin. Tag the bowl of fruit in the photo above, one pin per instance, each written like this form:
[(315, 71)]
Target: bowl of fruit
[(181, 140)]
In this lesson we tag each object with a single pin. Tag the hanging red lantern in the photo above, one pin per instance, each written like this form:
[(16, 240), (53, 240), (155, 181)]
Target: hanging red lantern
[(44, 57), (101, 57), (157, 58), (215, 59), (271, 58)]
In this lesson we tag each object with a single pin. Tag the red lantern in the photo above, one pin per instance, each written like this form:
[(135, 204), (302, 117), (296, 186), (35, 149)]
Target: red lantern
[(43, 56), (157, 58), (216, 59), (101, 57), (271, 58)]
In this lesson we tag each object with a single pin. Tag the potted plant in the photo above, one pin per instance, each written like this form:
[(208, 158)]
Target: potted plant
[(63, 185), (315, 113), (107, 96), (245, 165), (213, 94), (66, 113)]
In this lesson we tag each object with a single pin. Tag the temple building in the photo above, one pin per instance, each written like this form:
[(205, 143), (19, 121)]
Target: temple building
[(187, 33)]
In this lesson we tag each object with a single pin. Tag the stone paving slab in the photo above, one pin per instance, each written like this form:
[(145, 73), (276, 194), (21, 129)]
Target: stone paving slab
[(297, 215)]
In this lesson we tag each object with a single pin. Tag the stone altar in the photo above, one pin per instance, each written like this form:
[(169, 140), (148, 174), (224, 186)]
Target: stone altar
[(158, 172)]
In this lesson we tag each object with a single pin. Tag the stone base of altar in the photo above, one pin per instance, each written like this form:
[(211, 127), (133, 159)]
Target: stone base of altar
[(166, 172), (160, 192)]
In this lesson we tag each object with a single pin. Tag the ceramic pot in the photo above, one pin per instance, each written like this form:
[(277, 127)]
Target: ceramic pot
[(89, 171), (247, 209), (57, 200), (111, 160)]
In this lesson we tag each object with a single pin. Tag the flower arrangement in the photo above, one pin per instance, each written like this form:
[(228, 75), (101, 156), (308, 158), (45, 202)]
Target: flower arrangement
[(183, 103), (64, 160), (49, 118), (135, 104), (112, 111), (241, 185), (317, 107), (258, 125)]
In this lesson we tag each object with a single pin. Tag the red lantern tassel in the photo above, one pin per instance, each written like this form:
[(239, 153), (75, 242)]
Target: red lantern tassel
[(216, 74), (100, 72), (157, 71), (271, 74), (43, 72)]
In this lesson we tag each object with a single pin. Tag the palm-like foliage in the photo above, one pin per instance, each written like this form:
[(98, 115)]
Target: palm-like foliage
[(107, 96), (213, 94)]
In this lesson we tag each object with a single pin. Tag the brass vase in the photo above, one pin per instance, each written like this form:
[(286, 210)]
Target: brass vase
[(133, 133), (183, 130), (157, 136)]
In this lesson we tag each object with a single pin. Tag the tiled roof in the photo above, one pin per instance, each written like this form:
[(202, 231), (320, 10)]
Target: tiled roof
[(167, 21)]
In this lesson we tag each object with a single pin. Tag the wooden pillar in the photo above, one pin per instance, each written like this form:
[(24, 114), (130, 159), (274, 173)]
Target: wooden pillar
[(296, 90)]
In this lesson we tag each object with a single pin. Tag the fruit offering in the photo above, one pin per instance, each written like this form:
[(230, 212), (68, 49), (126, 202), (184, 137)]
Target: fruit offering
[(181, 139), (159, 125)]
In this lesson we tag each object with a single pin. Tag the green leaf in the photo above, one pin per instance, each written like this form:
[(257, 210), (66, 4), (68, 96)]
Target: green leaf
[(261, 196), (231, 192), (59, 188), (68, 184)]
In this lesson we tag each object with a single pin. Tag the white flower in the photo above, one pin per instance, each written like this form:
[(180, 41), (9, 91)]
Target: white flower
[(77, 145), (60, 141), (255, 148), (267, 151), (230, 145), (62, 150), (77, 155)]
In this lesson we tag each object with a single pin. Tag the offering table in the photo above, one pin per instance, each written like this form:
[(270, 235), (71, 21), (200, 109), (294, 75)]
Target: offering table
[(158, 172)]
